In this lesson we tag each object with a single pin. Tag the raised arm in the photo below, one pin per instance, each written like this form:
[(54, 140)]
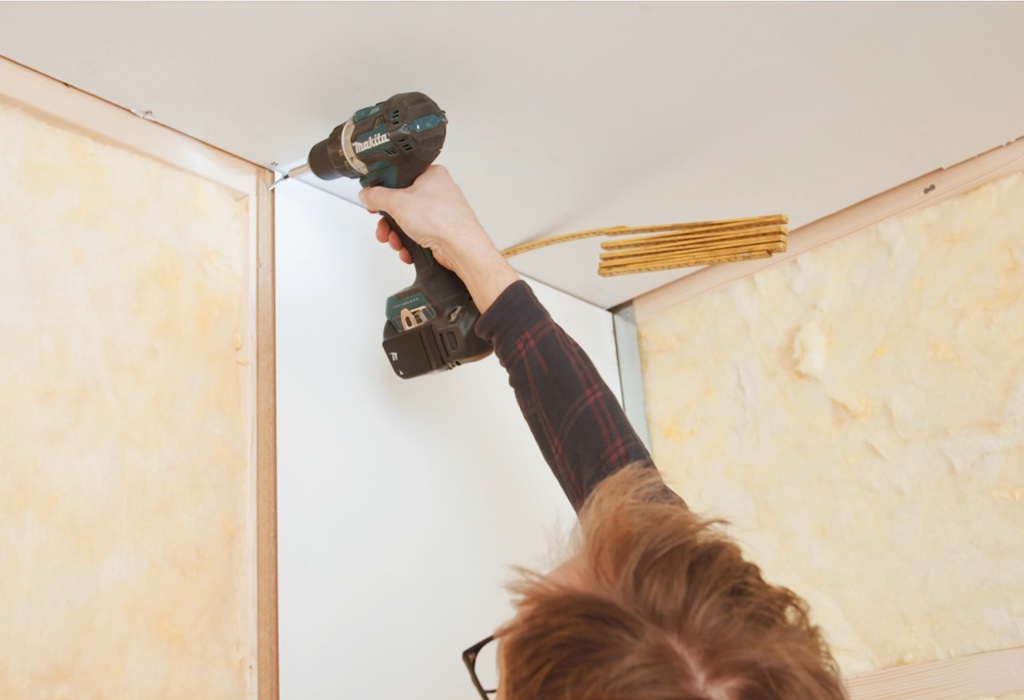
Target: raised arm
[(577, 422)]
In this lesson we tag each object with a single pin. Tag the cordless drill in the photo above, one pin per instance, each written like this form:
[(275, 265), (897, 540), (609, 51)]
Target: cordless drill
[(429, 323)]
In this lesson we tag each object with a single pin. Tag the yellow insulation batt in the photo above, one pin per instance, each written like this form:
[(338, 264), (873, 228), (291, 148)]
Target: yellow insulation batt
[(858, 414)]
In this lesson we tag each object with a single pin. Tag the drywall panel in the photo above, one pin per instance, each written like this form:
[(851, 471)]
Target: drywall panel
[(126, 396), (402, 503), (858, 413)]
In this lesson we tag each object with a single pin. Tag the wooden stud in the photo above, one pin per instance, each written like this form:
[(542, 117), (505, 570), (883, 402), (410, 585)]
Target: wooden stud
[(268, 683)]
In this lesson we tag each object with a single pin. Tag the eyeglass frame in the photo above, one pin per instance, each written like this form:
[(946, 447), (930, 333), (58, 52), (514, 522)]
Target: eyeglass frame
[(469, 657)]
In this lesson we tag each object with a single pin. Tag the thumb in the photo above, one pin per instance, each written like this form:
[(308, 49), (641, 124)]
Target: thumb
[(376, 199)]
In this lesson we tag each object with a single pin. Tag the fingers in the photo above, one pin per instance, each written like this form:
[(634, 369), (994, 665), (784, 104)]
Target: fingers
[(396, 244), (386, 235), (432, 212), (434, 182)]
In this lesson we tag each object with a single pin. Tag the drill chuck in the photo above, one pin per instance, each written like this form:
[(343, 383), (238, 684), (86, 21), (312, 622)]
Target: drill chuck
[(328, 159)]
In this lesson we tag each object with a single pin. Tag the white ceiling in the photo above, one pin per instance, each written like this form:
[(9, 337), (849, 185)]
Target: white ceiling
[(566, 116)]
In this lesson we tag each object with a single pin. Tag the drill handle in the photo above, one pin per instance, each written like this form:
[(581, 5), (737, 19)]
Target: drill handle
[(422, 258)]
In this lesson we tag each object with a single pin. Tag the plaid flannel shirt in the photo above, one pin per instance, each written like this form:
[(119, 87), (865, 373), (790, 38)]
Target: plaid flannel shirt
[(579, 425)]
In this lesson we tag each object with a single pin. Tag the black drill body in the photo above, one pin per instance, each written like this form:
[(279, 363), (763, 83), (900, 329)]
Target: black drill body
[(431, 323)]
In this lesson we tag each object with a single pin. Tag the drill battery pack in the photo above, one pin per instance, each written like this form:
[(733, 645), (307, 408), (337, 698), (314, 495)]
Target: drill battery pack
[(424, 345)]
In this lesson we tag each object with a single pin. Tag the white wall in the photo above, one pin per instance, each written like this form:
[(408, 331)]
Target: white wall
[(401, 503)]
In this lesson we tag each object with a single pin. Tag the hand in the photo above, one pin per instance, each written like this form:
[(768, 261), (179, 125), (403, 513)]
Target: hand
[(434, 213)]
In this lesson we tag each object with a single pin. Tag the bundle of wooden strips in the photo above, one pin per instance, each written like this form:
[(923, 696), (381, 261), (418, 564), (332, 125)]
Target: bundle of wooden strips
[(679, 245)]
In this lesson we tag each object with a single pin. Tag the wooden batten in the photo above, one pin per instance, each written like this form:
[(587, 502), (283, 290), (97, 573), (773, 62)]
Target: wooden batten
[(266, 445)]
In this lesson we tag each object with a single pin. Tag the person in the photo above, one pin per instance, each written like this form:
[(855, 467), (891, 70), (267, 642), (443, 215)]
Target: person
[(654, 602)]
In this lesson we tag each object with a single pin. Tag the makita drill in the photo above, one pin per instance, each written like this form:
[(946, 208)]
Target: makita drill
[(430, 323)]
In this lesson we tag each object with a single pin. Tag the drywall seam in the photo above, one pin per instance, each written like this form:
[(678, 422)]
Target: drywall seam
[(924, 191)]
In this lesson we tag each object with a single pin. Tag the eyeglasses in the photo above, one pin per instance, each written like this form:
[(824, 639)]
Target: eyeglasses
[(482, 661)]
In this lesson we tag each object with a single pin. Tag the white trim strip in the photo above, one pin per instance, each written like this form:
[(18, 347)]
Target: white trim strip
[(631, 379)]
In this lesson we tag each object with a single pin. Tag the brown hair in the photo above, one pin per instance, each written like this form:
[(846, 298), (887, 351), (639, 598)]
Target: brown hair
[(665, 607)]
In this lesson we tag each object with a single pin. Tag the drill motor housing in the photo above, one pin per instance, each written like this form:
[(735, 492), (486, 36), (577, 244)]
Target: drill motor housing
[(388, 144), (431, 323)]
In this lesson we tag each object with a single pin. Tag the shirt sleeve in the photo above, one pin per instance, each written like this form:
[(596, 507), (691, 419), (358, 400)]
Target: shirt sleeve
[(578, 423)]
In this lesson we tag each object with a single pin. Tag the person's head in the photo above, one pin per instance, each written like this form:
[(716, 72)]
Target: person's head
[(656, 604)]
